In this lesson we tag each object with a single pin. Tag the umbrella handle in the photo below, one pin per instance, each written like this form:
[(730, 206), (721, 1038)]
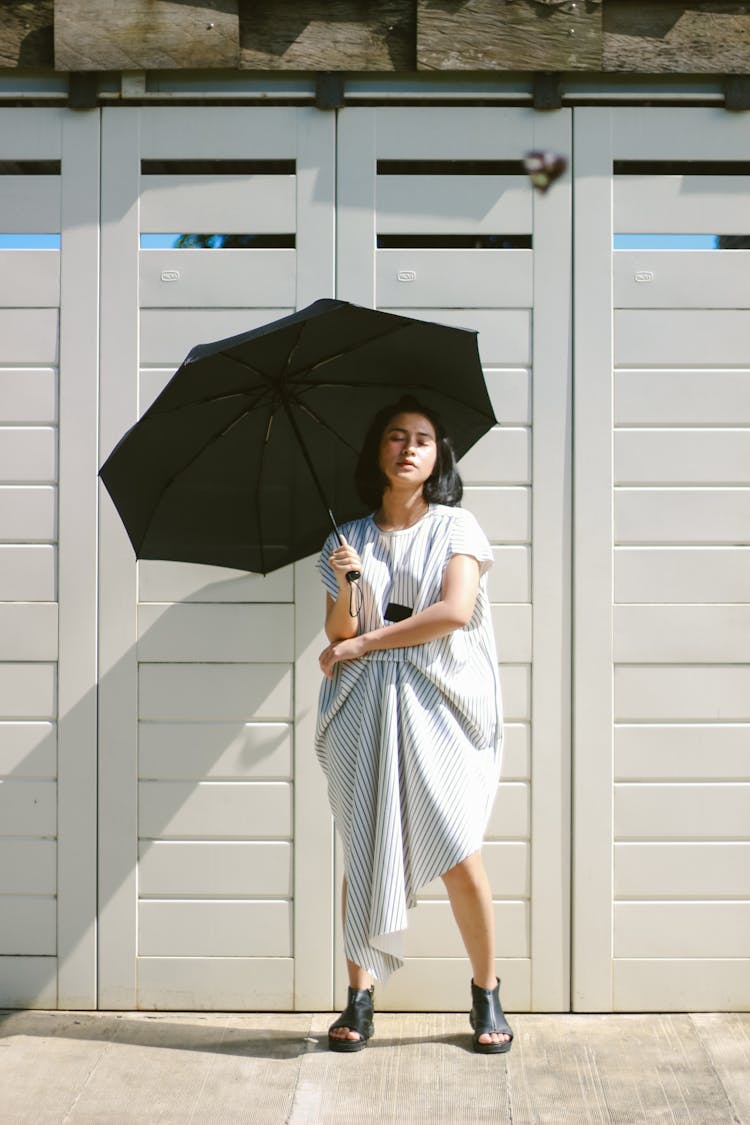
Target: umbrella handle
[(352, 575)]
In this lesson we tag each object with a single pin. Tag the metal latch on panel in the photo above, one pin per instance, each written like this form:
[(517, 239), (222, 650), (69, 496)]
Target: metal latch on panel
[(644, 275), (170, 275), (406, 275)]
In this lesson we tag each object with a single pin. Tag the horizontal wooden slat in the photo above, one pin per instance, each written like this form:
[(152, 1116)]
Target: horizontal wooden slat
[(170, 132), (229, 204), (682, 985), (516, 686), (512, 625), (146, 34), (215, 984), (171, 582), (681, 337), (504, 513), (659, 36), (214, 929), (510, 393), (28, 925), (214, 750), (28, 454), (28, 395), (684, 279), (682, 398), (510, 814), (433, 931), (412, 988), (28, 573), (681, 751), (28, 982), (167, 335), (28, 513), (680, 204), (504, 335), (681, 929), (28, 691), (485, 35), (218, 870), (218, 278), (340, 36), (507, 865), (682, 515), (700, 811), (262, 633), (27, 867), (28, 631), (29, 277), (682, 574), (707, 870), (420, 132), (28, 749), (30, 204), (29, 336), (700, 693), (184, 692), (28, 808), (464, 278), (675, 456), (509, 577), (502, 456), (516, 764), (453, 204), (214, 809), (681, 634)]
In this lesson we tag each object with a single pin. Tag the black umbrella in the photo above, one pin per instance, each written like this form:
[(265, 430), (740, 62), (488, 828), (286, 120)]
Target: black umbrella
[(253, 442)]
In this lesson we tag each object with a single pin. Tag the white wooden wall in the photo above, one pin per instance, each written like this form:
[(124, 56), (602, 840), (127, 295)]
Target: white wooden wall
[(518, 299), (215, 856), (48, 463), (662, 701), (212, 811)]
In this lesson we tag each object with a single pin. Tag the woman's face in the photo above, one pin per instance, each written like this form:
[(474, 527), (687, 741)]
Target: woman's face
[(408, 450)]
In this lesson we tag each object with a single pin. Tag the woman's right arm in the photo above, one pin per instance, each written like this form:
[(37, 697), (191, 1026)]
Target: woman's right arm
[(340, 625)]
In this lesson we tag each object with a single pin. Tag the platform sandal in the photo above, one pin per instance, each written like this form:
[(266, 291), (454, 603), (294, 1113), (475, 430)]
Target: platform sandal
[(357, 1016), (487, 1016)]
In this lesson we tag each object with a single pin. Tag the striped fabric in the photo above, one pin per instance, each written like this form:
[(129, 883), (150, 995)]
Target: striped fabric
[(410, 739)]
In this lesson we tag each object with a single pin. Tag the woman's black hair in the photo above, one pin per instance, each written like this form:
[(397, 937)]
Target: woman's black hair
[(443, 486)]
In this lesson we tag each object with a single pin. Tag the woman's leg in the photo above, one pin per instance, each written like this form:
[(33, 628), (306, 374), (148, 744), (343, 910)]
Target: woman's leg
[(471, 901), (358, 978)]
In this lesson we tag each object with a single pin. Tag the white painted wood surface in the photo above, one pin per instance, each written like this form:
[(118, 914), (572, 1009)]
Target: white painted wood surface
[(207, 658), (493, 291), (674, 923)]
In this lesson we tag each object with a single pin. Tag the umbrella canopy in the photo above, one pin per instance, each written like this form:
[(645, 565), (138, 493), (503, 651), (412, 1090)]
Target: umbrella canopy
[(255, 438)]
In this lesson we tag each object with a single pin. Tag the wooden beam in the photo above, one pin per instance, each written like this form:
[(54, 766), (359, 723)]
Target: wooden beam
[(703, 36), (26, 34), (327, 35), (509, 34), (146, 34)]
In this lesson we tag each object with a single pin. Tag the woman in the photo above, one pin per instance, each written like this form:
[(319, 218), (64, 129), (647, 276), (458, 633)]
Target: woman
[(410, 721)]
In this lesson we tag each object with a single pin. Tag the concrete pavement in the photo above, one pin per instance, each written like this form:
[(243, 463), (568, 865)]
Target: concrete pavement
[(105, 1068)]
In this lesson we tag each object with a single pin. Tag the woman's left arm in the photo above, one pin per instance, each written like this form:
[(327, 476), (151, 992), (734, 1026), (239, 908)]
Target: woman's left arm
[(457, 597)]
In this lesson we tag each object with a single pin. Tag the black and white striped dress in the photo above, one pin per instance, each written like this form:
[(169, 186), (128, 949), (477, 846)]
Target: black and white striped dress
[(409, 738)]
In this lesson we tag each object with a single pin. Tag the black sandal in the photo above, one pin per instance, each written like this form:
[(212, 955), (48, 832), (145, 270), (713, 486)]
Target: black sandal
[(357, 1016), (486, 1017)]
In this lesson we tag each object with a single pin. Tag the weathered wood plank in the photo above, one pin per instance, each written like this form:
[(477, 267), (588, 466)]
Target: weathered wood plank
[(145, 34), (509, 34), (327, 35), (709, 36), (26, 33)]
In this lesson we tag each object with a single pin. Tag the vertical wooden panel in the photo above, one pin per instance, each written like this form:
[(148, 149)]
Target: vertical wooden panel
[(118, 686), (593, 695), (551, 579)]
